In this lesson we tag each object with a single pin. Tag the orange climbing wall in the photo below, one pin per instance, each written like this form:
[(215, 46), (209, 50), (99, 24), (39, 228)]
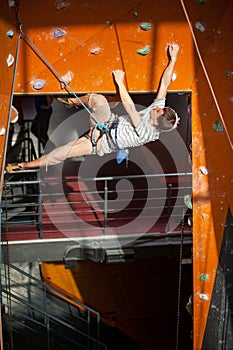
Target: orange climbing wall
[(8, 47), (100, 36)]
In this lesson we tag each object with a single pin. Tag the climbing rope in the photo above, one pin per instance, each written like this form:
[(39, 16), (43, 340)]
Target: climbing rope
[(205, 72), (179, 281), (99, 125), (188, 141)]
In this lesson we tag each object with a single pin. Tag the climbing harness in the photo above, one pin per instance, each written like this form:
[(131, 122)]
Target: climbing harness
[(94, 140), (111, 140)]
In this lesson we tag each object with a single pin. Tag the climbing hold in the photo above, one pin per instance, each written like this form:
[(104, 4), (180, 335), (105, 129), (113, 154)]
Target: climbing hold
[(189, 306), (203, 296), (2, 131), (66, 79), (204, 277), (146, 26), (201, 1), (10, 33), (218, 127), (11, 3), (61, 4), (135, 14), (188, 201), (58, 33), (10, 60), (228, 74), (204, 170), (190, 221), (95, 50), (200, 26), (144, 51), (38, 84)]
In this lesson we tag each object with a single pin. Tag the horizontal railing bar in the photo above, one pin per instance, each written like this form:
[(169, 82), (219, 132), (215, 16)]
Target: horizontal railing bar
[(95, 179)]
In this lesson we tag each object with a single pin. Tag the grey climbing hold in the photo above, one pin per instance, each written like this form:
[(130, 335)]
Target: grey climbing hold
[(58, 33), (204, 170), (218, 127), (2, 131), (144, 51), (38, 84), (11, 3), (61, 4), (146, 26), (95, 50), (10, 33), (10, 60), (200, 26), (135, 14)]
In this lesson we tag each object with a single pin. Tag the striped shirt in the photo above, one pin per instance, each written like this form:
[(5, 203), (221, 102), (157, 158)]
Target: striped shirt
[(128, 136)]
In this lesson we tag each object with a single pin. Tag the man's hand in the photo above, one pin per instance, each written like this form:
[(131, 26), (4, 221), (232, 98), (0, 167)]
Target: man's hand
[(173, 50), (119, 76)]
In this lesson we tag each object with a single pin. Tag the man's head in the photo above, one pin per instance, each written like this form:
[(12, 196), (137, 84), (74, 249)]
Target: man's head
[(164, 119)]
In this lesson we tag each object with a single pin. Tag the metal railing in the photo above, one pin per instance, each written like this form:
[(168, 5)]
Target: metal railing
[(80, 207), (35, 310)]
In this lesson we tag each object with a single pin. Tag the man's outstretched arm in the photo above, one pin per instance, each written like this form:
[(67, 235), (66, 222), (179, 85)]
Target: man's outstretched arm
[(173, 50), (128, 103)]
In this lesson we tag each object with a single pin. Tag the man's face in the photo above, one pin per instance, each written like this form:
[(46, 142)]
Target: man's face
[(155, 113)]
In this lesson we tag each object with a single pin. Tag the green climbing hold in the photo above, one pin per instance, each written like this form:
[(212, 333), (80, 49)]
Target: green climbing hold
[(203, 277), (188, 201), (144, 51), (218, 127), (146, 26)]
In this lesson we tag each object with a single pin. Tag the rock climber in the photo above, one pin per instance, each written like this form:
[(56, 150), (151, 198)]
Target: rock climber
[(110, 133)]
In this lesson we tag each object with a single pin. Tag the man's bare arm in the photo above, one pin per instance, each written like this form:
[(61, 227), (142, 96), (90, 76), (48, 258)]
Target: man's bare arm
[(173, 50), (128, 104)]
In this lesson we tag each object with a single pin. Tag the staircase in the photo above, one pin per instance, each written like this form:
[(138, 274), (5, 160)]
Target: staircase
[(35, 316)]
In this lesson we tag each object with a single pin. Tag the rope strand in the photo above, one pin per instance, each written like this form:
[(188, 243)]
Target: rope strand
[(59, 77), (205, 72)]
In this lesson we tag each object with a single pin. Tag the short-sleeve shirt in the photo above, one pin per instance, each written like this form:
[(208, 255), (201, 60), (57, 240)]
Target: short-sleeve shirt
[(128, 136)]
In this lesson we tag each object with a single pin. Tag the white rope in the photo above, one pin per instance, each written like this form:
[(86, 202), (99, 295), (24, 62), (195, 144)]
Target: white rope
[(206, 74)]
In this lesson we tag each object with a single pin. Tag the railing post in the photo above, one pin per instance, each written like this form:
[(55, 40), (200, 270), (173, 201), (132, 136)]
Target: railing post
[(169, 203), (105, 206), (40, 215)]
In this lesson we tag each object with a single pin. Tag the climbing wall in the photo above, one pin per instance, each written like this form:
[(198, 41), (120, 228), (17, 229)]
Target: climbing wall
[(7, 64), (72, 45)]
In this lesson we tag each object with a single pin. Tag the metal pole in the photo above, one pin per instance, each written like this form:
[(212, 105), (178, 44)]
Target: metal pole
[(105, 206)]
